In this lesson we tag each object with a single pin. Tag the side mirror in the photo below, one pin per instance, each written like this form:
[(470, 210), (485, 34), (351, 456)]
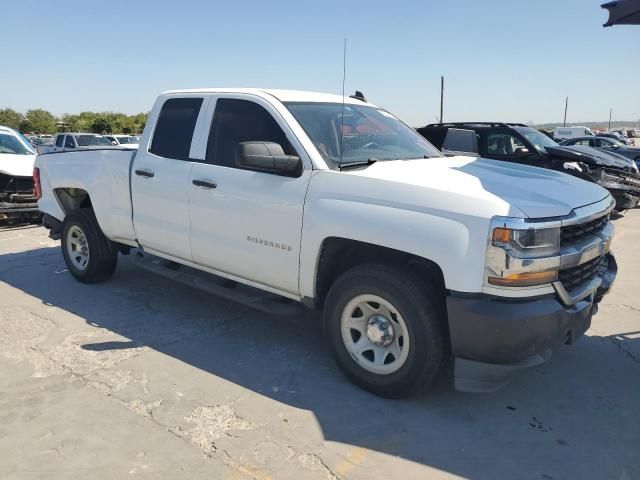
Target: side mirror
[(521, 152), (266, 156), (114, 143)]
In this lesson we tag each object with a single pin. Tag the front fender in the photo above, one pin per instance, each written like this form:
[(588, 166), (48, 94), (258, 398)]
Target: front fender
[(455, 242)]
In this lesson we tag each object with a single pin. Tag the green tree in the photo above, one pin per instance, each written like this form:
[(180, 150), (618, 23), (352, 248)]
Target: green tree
[(137, 122), (101, 125), (38, 121), (41, 121), (10, 118), (69, 123)]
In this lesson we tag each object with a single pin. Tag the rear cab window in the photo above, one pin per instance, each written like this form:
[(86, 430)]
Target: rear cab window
[(175, 127)]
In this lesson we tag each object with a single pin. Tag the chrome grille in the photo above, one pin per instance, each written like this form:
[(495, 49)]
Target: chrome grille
[(573, 234), (576, 276)]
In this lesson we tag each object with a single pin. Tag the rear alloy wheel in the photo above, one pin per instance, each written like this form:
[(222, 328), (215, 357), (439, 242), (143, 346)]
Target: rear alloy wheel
[(77, 248), (386, 329), (89, 255)]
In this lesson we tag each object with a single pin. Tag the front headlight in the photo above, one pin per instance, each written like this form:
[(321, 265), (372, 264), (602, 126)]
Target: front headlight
[(524, 255), (531, 242)]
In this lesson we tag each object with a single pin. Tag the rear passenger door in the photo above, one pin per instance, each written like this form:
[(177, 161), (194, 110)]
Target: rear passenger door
[(248, 223), (160, 179)]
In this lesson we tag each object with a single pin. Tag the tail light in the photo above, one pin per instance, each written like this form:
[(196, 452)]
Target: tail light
[(36, 183)]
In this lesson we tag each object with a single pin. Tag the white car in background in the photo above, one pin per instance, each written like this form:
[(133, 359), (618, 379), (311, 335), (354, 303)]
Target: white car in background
[(83, 141), (41, 143), (124, 141), (17, 197), (567, 133)]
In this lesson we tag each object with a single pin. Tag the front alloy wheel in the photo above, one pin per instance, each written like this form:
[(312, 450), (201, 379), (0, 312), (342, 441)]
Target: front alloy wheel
[(375, 334)]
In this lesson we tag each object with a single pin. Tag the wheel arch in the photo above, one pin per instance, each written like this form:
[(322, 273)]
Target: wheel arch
[(339, 254), (71, 199)]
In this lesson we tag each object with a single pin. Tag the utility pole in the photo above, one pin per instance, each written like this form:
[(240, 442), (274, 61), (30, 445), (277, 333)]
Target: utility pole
[(441, 97), (610, 112), (566, 104)]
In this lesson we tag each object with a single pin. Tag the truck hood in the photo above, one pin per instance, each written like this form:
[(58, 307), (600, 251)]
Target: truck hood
[(591, 156), (536, 192), (17, 165)]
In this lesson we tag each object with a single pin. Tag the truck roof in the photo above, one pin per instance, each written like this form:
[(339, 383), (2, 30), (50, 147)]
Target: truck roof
[(80, 133), (282, 95), (477, 124)]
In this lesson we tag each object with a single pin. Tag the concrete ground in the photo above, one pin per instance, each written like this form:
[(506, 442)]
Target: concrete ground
[(142, 378)]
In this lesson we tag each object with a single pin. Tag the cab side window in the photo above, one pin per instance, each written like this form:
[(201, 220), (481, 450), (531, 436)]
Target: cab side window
[(68, 142), (59, 140), (236, 121), (174, 128), (503, 144)]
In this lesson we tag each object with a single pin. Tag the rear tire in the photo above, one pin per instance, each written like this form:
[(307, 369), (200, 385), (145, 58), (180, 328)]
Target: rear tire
[(89, 255), (395, 361)]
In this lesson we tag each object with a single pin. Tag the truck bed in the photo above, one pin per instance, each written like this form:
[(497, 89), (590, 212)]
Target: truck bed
[(105, 173)]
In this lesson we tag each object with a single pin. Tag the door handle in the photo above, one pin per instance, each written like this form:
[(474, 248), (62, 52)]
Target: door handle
[(145, 173), (204, 183)]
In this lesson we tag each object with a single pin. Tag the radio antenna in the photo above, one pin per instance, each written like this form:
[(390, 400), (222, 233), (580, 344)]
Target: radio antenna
[(344, 76)]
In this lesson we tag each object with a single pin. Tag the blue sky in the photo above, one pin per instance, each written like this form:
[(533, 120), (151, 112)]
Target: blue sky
[(502, 60)]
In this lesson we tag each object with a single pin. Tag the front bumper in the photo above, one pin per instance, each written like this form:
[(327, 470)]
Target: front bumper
[(8, 207), (9, 210), (624, 199), (492, 339)]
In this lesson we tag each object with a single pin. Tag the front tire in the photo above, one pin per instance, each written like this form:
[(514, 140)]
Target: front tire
[(386, 329), (89, 255)]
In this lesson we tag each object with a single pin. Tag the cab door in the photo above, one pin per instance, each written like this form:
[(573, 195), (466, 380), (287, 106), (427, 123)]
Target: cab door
[(160, 179), (59, 143), (248, 223), (69, 143)]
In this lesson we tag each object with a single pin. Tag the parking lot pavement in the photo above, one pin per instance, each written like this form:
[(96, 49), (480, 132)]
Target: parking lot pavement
[(141, 377)]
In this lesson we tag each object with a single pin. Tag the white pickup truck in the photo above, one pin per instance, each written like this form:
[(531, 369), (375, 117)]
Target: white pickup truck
[(414, 258)]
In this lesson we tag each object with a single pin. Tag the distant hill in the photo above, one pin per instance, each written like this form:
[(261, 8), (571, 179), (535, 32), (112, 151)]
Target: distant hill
[(592, 125)]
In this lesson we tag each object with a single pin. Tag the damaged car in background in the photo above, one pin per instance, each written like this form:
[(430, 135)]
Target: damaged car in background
[(610, 170), (18, 201), (518, 143)]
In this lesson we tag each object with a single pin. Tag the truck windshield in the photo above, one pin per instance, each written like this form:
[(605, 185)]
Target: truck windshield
[(91, 140), (12, 145), (537, 139), (354, 134)]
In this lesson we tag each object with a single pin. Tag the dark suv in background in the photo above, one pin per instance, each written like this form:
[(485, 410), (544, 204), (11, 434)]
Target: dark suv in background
[(607, 144), (516, 142)]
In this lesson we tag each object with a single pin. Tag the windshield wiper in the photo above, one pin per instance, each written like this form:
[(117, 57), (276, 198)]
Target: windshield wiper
[(370, 161)]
